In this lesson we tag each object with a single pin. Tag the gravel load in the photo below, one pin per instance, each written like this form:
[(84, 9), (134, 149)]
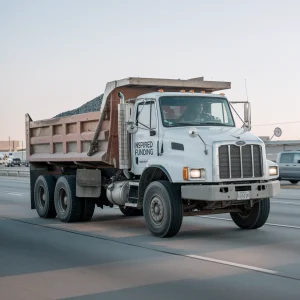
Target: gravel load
[(93, 105)]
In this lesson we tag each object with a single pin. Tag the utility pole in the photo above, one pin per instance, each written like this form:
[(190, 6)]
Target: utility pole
[(22, 151), (9, 143)]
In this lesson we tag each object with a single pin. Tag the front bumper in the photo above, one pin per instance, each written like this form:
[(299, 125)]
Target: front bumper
[(229, 192)]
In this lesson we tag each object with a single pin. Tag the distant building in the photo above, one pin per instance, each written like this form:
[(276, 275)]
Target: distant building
[(10, 146), (274, 147), (265, 138)]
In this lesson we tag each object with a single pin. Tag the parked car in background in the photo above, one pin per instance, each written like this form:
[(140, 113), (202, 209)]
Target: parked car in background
[(289, 166), (17, 162), (11, 162)]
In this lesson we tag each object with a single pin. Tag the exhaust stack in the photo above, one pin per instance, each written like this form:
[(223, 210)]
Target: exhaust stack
[(123, 136)]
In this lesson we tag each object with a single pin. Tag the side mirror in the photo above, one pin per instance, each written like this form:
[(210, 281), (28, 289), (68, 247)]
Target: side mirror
[(247, 115)]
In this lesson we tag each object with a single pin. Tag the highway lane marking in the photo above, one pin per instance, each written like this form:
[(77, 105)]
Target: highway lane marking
[(280, 225), (269, 224), (287, 194), (229, 263), (285, 202), (24, 185), (286, 198), (14, 193), (14, 179)]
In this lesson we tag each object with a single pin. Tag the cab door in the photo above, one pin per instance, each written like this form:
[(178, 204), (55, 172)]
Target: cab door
[(145, 140)]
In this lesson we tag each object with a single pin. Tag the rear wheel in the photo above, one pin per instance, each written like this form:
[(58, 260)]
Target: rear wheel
[(68, 207), (294, 181), (254, 217), (163, 210), (44, 196), (88, 208), (131, 211)]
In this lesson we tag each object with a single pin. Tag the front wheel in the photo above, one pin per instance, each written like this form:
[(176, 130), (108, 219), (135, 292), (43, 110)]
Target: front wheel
[(254, 217), (163, 209), (294, 181)]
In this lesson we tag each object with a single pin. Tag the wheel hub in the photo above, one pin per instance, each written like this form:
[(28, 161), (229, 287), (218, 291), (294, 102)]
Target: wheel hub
[(63, 200), (156, 209), (41, 197), (245, 213)]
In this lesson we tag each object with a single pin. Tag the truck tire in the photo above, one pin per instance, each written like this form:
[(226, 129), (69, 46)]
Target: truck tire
[(294, 181), (68, 207), (44, 196), (254, 218), (163, 209), (88, 208), (130, 211)]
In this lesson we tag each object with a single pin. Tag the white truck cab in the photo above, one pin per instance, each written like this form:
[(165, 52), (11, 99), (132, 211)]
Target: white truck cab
[(214, 166), (207, 149)]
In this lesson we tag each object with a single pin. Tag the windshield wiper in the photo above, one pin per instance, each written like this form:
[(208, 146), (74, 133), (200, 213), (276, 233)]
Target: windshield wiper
[(189, 123), (213, 123), (202, 123)]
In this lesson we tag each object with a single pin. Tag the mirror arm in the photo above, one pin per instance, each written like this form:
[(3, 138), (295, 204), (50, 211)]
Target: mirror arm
[(236, 113)]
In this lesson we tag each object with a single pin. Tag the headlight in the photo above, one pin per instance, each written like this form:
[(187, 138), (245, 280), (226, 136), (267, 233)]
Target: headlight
[(193, 174), (273, 171)]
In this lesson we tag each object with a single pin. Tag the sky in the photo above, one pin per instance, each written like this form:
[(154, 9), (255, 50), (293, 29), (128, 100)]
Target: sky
[(56, 55)]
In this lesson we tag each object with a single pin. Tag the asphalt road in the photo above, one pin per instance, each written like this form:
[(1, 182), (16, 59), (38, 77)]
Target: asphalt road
[(115, 257)]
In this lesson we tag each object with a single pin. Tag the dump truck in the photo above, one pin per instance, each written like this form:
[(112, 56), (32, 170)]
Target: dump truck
[(158, 148)]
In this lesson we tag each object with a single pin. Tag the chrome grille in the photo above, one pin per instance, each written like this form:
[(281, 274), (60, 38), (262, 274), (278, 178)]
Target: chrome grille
[(240, 161)]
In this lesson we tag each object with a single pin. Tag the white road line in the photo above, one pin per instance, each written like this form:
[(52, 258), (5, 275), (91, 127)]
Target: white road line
[(280, 225), (287, 195), (229, 263), (286, 198), (286, 203), (15, 194), (12, 193), (13, 179), (269, 224)]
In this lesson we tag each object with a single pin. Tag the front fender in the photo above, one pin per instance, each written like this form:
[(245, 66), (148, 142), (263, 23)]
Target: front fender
[(171, 167), (151, 173)]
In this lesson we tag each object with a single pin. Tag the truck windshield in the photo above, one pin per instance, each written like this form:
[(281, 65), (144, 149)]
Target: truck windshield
[(193, 110)]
